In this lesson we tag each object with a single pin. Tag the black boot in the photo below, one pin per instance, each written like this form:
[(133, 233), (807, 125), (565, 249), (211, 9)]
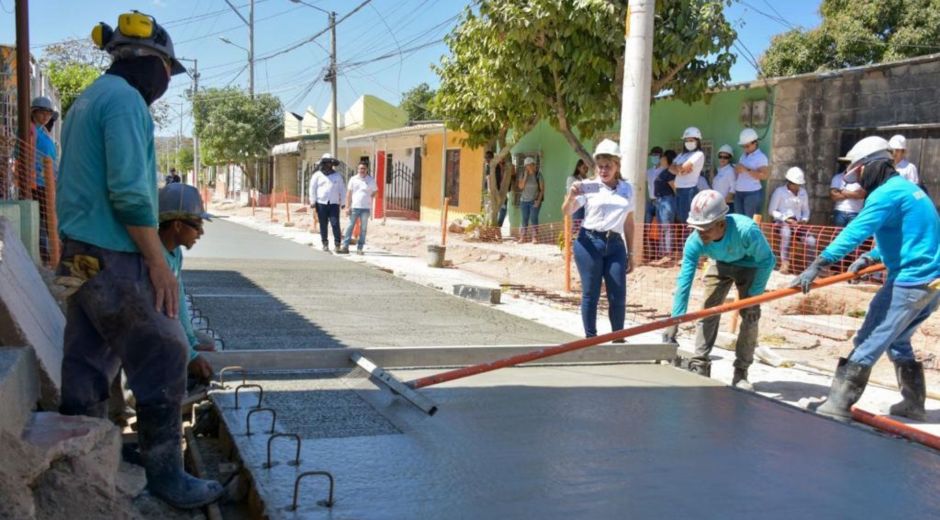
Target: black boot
[(739, 380), (913, 390), (702, 368), (847, 387), (160, 435)]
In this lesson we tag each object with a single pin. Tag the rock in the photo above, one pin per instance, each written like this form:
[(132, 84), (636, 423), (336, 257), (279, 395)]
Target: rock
[(19, 388)]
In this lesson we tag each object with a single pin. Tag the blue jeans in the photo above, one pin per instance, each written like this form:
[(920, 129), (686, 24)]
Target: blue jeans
[(601, 257), (666, 216), (502, 215), (530, 216), (893, 316), (361, 214), (749, 203), (684, 198), (650, 211), (842, 218), (328, 215)]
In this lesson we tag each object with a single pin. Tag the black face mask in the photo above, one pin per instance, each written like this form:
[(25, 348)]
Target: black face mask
[(147, 74), (876, 173)]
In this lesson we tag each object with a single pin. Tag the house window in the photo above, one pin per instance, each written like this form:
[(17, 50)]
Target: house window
[(452, 177), (388, 168)]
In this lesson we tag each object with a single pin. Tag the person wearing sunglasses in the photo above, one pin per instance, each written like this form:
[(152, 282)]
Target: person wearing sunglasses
[(725, 177), (906, 227)]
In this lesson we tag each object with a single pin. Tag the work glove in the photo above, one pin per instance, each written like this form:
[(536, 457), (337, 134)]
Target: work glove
[(861, 263), (669, 334), (805, 279)]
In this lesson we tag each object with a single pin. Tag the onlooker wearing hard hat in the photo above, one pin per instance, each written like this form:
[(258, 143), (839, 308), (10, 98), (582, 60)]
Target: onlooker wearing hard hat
[(664, 188), (655, 154), (532, 187), (743, 258), (847, 198), (907, 169), (327, 192), (906, 228), (751, 170), (687, 168), (725, 177), (600, 250), (42, 113), (126, 313), (789, 207)]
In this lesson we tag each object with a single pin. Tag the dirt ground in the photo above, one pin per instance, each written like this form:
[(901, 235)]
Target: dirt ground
[(837, 311)]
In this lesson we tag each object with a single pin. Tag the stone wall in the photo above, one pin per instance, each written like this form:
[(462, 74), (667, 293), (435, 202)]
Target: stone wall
[(812, 112)]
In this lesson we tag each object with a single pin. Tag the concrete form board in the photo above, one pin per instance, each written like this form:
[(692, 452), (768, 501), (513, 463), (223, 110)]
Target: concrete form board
[(29, 315), (19, 388), (27, 225), (625, 441)]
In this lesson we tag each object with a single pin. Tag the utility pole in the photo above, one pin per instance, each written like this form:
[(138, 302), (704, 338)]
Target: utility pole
[(25, 164), (195, 179), (179, 139), (334, 131), (635, 108), (250, 22)]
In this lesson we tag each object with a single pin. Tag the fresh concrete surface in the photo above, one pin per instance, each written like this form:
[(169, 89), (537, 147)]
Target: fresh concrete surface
[(617, 441), (19, 387), (262, 292)]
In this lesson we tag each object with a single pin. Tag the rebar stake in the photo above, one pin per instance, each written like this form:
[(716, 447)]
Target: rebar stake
[(233, 368), (256, 410), (327, 503), (296, 437), (260, 393)]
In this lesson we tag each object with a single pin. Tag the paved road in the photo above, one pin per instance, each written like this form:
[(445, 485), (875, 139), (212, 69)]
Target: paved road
[(263, 292)]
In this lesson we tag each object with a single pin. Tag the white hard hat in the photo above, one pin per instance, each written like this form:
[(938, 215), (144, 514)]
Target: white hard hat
[(529, 160), (42, 103), (796, 175), (897, 142), (692, 133), (872, 147), (726, 148), (708, 207), (328, 157), (607, 147), (748, 135)]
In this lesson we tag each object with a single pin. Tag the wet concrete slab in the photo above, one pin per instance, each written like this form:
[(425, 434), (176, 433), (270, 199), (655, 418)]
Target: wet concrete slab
[(600, 441)]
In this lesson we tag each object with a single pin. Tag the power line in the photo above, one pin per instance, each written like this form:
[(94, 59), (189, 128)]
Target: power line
[(316, 35)]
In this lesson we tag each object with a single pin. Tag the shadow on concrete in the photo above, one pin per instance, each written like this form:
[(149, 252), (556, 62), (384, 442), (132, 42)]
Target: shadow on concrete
[(791, 390), (249, 317)]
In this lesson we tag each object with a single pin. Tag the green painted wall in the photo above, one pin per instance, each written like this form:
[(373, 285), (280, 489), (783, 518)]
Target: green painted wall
[(717, 118)]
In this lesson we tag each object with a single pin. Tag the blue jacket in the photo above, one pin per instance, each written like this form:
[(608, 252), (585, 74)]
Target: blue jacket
[(108, 173), (175, 260), (906, 228), (45, 147), (743, 245)]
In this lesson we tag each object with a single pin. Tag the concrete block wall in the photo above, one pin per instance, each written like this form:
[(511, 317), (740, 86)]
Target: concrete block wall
[(810, 113)]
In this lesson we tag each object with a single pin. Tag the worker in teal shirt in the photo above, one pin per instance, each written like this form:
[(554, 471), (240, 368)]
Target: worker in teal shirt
[(743, 258), (125, 313), (906, 227)]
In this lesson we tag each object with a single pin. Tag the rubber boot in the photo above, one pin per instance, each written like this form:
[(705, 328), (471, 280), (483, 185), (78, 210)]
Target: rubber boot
[(159, 433), (847, 387), (913, 389), (97, 410), (702, 368), (739, 380)]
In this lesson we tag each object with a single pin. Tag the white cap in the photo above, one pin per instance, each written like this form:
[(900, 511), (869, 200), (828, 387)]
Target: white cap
[(796, 175), (692, 133), (897, 142), (708, 207), (607, 147), (529, 160), (726, 148), (748, 135), (328, 157)]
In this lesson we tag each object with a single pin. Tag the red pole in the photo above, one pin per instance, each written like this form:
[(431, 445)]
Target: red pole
[(568, 253), (889, 425), (632, 331), (287, 206), (444, 221), (52, 219)]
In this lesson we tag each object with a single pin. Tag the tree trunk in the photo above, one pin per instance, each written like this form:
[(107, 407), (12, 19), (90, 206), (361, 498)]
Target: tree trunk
[(498, 196), (561, 113)]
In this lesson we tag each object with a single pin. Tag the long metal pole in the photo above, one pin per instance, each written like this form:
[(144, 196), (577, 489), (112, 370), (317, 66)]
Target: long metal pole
[(179, 139), (632, 331), (635, 107), (195, 180), (251, 49), (25, 164), (334, 128)]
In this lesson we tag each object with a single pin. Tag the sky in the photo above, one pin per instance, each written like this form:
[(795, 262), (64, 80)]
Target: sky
[(402, 36)]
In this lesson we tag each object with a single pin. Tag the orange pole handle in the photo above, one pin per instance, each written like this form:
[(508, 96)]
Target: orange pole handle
[(567, 253), (52, 218), (632, 331), (889, 425)]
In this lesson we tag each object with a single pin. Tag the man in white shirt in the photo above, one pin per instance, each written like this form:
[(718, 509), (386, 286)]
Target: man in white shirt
[(847, 200), (751, 170), (724, 176), (359, 194), (328, 192), (789, 207), (907, 169)]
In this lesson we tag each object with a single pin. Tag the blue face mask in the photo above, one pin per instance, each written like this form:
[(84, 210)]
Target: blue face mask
[(654, 159)]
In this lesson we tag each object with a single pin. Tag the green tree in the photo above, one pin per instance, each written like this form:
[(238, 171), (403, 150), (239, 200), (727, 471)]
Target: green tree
[(415, 103), (515, 63), (70, 79), (234, 128), (854, 33)]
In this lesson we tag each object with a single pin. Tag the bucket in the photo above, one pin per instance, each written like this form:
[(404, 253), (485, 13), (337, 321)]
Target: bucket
[(436, 255)]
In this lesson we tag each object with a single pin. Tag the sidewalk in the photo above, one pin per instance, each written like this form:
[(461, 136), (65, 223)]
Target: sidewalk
[(788, 385)]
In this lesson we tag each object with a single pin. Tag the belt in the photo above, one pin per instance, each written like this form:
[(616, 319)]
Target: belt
[(606, 235)]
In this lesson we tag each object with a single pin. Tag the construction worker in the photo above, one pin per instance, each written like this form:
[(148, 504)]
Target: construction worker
[(752, 168), (789, 207), (905, 168), (125, 313), (743, 258), (42, 113), (906, 228), (327, 193), (181, 225)]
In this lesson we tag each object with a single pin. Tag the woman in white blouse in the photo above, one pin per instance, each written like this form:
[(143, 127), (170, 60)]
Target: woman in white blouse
[(688, 168), (600, 250), (789, 207)]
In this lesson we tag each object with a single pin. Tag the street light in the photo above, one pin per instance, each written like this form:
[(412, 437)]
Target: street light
[(311, 6), (233, 44)]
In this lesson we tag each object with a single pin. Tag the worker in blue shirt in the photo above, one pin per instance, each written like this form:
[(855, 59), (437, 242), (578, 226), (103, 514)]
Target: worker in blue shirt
[(43, 114), (741, 257), (906, 227), (125, 313)]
